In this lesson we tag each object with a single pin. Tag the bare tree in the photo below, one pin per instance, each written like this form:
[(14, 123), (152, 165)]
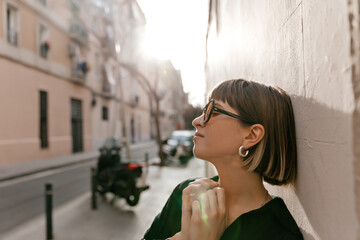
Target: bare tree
[(155, 97)]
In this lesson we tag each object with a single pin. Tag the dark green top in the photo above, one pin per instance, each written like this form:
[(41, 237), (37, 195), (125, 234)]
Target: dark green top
[(272, 221)]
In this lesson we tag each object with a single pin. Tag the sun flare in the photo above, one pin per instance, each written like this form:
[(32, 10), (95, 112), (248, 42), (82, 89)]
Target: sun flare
[(156, 44)]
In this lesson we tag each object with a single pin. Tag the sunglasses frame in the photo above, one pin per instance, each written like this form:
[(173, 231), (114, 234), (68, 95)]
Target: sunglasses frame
[(219, 110)]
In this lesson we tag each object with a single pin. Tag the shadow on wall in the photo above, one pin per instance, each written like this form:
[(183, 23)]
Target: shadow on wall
[(325, 185)]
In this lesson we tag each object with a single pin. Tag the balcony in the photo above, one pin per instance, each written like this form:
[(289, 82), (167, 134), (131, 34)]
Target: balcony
[(108, 46), (78, 31), (107, 14), (134, 100), (79, 71), (108, 79), (106, 87), (105, 10)]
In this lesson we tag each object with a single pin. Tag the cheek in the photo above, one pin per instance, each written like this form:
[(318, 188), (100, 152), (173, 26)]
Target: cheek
[(218, 142)]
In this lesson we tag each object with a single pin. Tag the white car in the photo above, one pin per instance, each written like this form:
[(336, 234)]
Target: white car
[(180, 145)]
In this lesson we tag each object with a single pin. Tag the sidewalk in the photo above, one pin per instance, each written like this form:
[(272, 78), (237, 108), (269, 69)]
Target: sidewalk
[(13, 171), (76, 221)]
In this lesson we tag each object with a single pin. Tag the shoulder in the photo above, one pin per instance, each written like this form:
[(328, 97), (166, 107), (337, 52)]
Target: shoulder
[(272, 221), (283, 219)]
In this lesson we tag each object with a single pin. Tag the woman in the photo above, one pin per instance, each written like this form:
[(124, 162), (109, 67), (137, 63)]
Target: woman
[(247, 132)]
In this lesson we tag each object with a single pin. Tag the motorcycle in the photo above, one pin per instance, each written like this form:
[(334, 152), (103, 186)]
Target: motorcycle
[(121, 179)]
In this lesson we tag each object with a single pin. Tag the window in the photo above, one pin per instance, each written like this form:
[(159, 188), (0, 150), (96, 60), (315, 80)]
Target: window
[(12, 25), (44, 44), (105, 113), (43, 120)]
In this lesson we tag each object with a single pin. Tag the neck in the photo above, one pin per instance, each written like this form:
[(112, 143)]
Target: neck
[(242, 188)]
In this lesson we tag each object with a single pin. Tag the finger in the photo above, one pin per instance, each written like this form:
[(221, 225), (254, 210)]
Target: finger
[(204, 207), (204, 202), (193, 191), (206, 182), (196, 213), (186, 203), (185, 214), (220, 196), (204, 185), (213, 203)]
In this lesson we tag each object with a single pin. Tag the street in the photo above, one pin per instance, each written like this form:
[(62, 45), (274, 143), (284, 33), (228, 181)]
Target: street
[(23, 199), (75, 220)]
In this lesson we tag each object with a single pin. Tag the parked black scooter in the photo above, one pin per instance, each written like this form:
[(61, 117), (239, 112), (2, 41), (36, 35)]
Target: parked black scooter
[(116, 177)]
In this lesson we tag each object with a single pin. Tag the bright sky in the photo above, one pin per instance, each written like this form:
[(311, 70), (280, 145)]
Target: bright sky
[(176, 30)]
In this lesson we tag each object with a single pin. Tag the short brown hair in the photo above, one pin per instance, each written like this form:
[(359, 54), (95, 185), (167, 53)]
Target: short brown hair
[(275, 156)]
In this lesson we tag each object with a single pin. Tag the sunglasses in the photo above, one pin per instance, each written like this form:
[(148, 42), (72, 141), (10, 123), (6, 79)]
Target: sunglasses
[(210, 108)]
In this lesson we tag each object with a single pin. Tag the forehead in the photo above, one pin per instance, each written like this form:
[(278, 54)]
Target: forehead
[(223, 105), (219, 103)]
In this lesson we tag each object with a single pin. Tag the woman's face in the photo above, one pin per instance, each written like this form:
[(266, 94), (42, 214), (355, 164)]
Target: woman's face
[(220, 137)]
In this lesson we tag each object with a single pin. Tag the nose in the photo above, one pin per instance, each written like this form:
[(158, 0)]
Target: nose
[(199, 121)]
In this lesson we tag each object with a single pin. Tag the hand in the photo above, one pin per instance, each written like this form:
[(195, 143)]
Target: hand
[(190, 194), (208, 217), (199, 186)]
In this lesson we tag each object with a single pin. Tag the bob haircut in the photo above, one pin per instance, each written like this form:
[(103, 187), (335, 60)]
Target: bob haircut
[(275, 156)]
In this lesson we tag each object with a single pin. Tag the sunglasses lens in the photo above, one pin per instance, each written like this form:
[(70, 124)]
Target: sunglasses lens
[(207, 112)]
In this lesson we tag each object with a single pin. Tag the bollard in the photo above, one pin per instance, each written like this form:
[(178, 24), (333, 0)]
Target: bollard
[(93, 189), (147, 161), (48, 209)]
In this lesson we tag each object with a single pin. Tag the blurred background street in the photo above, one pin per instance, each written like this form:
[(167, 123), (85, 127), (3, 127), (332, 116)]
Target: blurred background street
[(90, 84), (22, 204)]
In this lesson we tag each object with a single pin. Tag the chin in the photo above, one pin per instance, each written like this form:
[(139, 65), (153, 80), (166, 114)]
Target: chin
[(196, 152), (200, 154)]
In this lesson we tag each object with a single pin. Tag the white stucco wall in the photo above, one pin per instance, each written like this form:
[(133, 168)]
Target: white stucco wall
[(303, 47)]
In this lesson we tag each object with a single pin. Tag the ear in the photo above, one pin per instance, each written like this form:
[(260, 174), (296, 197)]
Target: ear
[(255, 135)]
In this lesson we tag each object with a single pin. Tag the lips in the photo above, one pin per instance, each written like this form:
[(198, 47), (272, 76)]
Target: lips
[(197, 134)]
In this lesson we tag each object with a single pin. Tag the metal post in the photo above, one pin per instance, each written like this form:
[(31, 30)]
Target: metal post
[(147, 161), (93, 189), (48, 209)]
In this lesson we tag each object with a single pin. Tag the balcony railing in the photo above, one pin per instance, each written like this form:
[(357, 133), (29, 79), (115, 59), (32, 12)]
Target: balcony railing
[(78, 31), (106, 87), (79, 70), (12, 37), (134, 100), (108, 45)]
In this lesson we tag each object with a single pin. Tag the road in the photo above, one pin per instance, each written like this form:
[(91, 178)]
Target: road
[(23, 199)]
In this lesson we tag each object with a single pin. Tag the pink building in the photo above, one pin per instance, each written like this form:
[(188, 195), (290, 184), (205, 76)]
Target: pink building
[(45, 105), (64, 88)]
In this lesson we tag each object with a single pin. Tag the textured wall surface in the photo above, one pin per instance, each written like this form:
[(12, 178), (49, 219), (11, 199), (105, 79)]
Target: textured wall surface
[(303, 47)]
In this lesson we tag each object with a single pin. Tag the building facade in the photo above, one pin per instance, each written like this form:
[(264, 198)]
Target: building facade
[(174, 100), (66, 83), (44, 101)]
